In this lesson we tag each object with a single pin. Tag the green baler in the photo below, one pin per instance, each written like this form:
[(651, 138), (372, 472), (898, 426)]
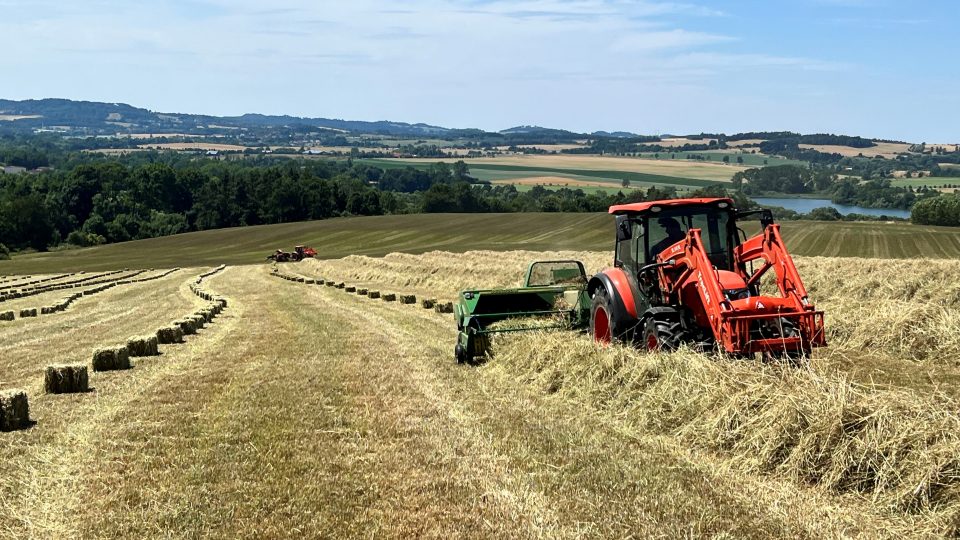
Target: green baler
[(553, 291)]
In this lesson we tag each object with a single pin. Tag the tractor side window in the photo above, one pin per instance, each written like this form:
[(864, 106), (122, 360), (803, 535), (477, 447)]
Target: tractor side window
[(713, 230), (628, 250)]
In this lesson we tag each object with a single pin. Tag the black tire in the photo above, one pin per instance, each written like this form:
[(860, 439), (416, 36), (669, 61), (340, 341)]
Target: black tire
[(603, 323), (461, 354), (661, 335)]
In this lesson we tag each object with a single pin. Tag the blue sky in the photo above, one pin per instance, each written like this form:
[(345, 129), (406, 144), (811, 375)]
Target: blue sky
[(877, 68)]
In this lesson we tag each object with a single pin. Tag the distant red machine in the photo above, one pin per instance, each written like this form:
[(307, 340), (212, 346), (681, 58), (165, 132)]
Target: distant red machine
[(299, 253)]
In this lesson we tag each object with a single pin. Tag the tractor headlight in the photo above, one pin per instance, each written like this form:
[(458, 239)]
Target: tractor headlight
[(737, 294)]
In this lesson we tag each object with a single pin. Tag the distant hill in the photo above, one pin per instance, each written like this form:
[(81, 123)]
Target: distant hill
[(96, 118)]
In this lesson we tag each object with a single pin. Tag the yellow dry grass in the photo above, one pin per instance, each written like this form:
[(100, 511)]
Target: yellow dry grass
[(682, 168), (887, 150), (194, 146), (556, 181)]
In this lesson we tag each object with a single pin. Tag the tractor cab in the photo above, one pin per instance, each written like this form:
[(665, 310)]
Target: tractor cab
[(646, 230)]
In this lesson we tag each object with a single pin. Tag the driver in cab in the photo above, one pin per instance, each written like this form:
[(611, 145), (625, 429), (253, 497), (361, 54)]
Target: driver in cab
[(674, 234)]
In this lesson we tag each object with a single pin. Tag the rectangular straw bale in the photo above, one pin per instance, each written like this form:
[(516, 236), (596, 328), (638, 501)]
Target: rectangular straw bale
[(374, 294), (143, 346), (444, 307), (362, 292), (14, 410), (341, 285), (66, 379), (310, 281), (6, 316), (111, 359), (428, 303), (329, 283), (170, 334), (30, 312), (186, 326), (350, 289), (389, 297), (408, 299)]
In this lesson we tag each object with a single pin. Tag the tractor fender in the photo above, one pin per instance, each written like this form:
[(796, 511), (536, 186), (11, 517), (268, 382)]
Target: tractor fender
[(618, 289)]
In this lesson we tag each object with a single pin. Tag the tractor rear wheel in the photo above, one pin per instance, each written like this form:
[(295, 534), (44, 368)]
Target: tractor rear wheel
[(602, 323), (662, 335)]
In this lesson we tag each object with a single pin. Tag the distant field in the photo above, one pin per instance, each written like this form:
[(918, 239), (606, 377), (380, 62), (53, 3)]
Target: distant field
[(881, 149), (419, 233), (715, 172), (195, 146), (750, 160), (12, 117), (929, 181)]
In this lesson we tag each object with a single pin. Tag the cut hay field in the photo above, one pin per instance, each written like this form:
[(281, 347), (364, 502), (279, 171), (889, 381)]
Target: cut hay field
[(714, 172), (417, 233), (304, 411)]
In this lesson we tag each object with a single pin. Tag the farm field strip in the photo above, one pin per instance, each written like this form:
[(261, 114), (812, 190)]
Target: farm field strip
[(66, 297)]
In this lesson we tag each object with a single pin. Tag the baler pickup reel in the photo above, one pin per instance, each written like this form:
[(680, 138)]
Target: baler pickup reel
[(553, 297)]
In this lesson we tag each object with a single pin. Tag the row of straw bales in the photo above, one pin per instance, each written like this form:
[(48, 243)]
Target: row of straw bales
[(16, 282), (67, 301), (74, 378), (94, 279), (406, 299)]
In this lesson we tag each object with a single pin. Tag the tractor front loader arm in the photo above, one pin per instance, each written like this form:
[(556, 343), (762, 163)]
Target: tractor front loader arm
[(769, 246), (690, 261)]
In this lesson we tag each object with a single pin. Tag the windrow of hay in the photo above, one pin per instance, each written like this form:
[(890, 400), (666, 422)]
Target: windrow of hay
[(66, 379), (14, 410), (899, 308), (445, 274), (95, 279), (898, 450)]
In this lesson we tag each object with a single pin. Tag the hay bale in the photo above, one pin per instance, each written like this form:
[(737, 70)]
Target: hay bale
[(310, 282), (301, 280), (14, 410), (444, 307), (329, 283), (143, 346), (362, 292), (408, 299), (170, 334), (341, 285), (350, 289), (428, 303), (374, 294), (31, 312), (6, 316), (187, 326), (389, 297), (111, 359), (66, 379)]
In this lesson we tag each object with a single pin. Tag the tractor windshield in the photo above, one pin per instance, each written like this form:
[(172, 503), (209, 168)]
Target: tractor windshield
[(671, 226)]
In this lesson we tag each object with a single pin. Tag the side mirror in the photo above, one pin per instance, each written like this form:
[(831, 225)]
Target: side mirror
[(623, 229)]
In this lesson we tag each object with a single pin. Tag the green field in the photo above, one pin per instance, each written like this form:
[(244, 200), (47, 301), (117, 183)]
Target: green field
[(930, 182), (419, 233)]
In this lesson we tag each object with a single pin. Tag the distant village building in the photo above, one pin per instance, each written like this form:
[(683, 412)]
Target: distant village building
[(14, 170)]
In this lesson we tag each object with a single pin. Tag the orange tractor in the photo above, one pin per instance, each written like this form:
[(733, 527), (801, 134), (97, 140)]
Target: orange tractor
[(684, 273), (299, 253)]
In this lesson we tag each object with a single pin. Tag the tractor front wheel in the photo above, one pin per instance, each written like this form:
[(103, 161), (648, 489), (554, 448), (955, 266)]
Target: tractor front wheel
[(661, 335)]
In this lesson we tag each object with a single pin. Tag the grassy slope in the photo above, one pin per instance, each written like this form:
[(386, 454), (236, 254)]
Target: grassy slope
[(307, 412), (336, 238)]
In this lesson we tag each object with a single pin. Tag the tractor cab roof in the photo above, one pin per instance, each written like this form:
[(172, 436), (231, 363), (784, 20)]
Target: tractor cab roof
[(656, 206)]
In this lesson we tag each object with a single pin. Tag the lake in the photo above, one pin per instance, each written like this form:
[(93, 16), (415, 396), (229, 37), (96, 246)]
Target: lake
[(806, 205)]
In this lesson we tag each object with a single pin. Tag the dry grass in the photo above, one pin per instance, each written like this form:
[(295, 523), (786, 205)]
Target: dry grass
[(555, 181), (887, 150), (896, 449), (194, 146), (682, 168)]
